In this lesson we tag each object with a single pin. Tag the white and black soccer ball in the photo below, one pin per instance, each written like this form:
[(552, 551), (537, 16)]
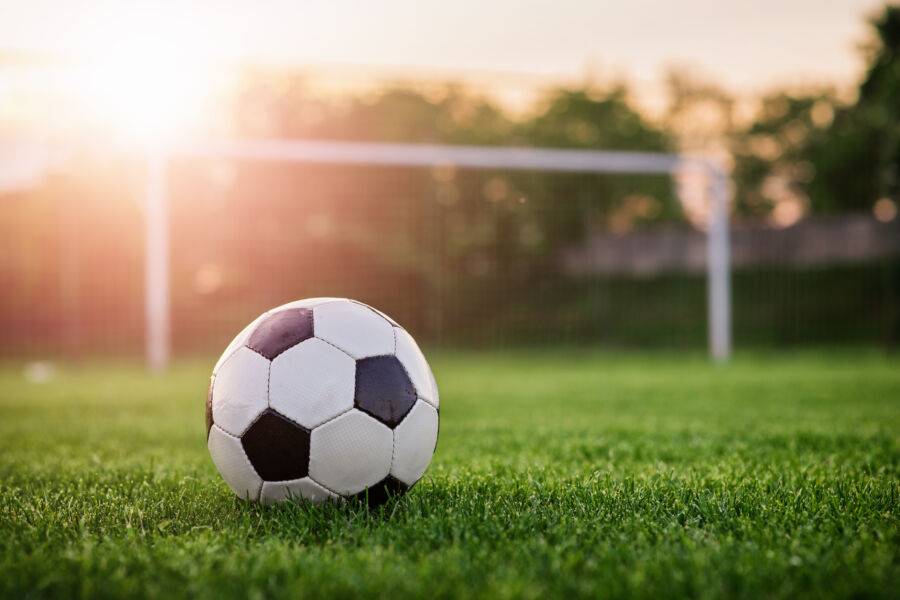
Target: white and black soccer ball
[(325, 398)]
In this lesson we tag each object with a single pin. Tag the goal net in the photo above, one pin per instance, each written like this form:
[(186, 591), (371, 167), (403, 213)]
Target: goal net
[(465, 246)]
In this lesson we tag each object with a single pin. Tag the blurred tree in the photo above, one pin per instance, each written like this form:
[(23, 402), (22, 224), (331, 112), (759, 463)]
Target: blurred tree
[(811, 152), (700, 115), (859, 160), (773, 156), (591, 119), (275, 104), (583, 118)]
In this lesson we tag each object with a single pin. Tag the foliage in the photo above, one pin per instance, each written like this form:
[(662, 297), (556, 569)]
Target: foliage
[(859, 161), (814, 149), (773, 155)]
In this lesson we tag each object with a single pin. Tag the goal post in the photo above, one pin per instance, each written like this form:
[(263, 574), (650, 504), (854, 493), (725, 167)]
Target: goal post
[(157, 322), (157, 302)]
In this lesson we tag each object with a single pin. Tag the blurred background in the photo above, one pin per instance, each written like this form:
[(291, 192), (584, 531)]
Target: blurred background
[(799, 100)]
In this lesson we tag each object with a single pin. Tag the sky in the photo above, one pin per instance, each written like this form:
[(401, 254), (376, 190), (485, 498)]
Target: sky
[(745, 46)]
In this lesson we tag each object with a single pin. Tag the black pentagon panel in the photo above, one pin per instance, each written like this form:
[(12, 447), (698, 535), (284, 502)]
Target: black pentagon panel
[(386, 489), (277, 447), (280, 331), (383, 389), (209, 421)]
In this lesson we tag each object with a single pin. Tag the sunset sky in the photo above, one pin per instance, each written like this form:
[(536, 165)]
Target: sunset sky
[(744, 45)]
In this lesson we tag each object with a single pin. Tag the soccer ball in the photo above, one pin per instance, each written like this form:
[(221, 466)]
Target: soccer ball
[(322, 399)]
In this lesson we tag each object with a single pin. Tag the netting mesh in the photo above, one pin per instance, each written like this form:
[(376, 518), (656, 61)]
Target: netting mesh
[(461, 257)]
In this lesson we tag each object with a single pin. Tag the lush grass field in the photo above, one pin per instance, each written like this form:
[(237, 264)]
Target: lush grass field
[(555, 475)]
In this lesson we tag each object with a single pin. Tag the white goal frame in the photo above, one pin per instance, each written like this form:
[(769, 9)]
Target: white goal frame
[(157, 276)]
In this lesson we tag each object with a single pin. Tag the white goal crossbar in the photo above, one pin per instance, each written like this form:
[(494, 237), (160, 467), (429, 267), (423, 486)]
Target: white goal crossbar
[(362, 153)]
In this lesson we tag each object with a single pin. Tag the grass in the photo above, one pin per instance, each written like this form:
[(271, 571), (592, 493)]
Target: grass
[(556, 475)]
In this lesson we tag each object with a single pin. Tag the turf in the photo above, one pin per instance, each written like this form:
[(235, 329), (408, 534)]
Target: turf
[(556, 475)]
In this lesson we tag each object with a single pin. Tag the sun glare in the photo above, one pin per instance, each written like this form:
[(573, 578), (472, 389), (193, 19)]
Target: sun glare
[(142, 94)]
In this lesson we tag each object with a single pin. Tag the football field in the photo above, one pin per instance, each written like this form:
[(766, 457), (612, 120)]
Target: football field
[(557, 474)]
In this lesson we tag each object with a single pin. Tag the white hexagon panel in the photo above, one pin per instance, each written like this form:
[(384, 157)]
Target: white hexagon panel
[(350, 453), (354, 328), (305, 488), (240, 390), (306, 303), (229, 457), (312, 382), (416, 366), (434, 389), (386, 317), (414, 441)]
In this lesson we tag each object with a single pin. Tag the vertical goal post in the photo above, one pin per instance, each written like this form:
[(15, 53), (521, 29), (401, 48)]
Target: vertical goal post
[(157, 301)]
